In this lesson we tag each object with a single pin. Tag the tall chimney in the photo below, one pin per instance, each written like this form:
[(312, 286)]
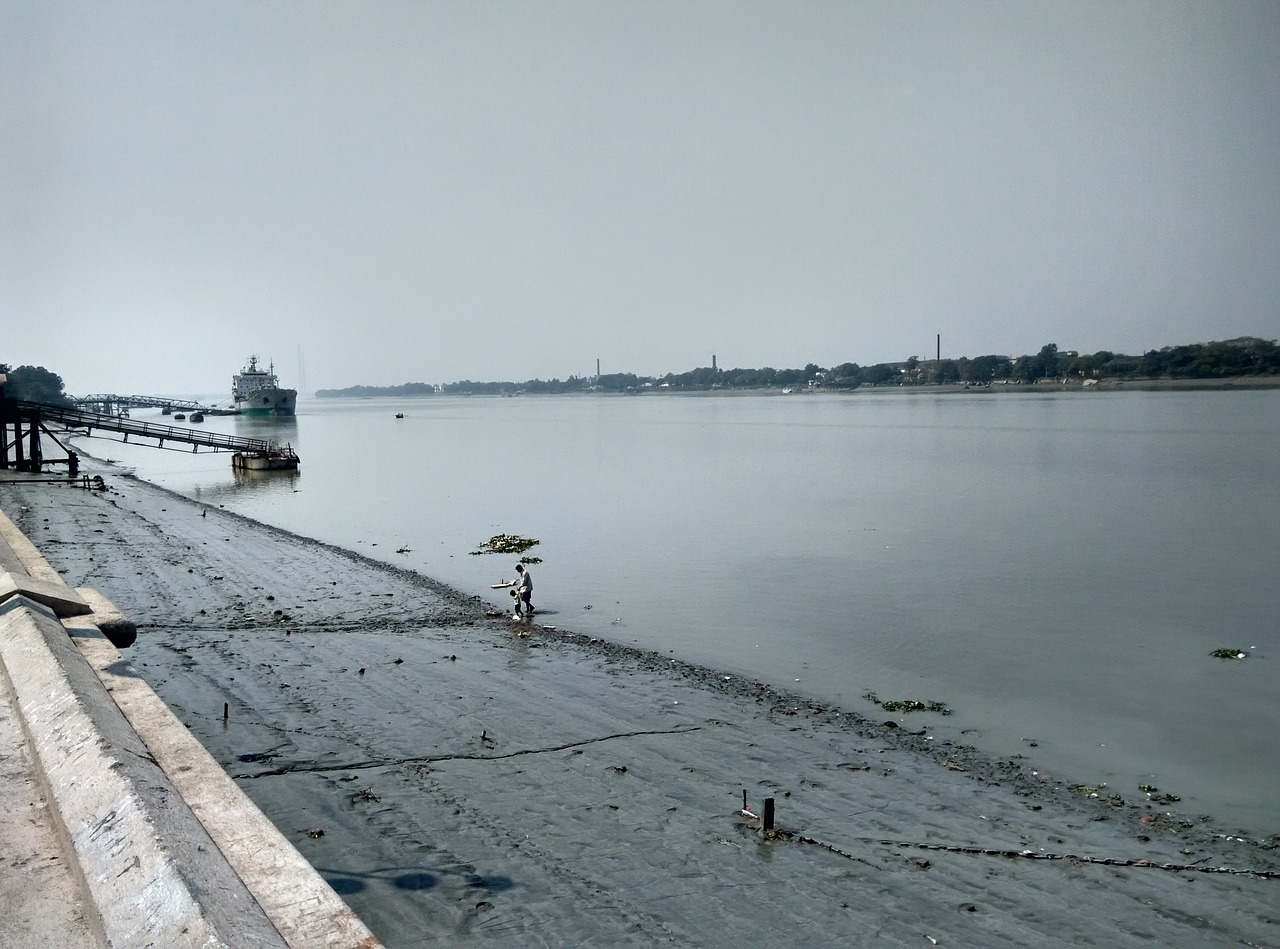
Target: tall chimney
[(939, 347)]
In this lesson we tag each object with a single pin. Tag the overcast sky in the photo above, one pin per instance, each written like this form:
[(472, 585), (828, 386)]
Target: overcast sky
[(388, 192)]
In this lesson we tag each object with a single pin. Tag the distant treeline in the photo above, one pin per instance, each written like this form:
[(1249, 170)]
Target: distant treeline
[(359, 392), (1247, 355)]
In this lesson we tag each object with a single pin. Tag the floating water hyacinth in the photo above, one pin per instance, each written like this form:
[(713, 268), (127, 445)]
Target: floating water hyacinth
[(1228, 653), (908, 705), (507, 544)]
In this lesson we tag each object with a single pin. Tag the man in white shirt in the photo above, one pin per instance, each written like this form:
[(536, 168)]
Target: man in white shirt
[(524, 590)]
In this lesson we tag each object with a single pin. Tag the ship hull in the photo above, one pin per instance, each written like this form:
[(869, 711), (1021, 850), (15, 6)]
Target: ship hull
[(269, 401)]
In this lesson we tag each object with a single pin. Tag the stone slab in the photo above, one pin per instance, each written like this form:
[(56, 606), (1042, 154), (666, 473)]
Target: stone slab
[(42, 896), (59, 597), (9, 560)]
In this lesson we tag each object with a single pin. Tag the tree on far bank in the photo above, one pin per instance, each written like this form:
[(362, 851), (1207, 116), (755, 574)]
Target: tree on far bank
[(945, 372), (986, 368), (1048, 359), (878, 374), (847, 375)]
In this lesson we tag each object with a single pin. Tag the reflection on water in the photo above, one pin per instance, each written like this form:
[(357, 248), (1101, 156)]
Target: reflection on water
[(282, 429), (266, 480), (241, 480)]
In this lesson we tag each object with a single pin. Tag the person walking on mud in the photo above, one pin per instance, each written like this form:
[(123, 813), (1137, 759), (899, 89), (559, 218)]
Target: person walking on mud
[(524, 590)]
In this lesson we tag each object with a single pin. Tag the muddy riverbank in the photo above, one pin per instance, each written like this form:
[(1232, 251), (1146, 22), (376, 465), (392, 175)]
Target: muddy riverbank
[(456, 781)]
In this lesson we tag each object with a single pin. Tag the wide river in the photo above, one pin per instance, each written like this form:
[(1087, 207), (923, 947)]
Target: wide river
[(1055, 568)]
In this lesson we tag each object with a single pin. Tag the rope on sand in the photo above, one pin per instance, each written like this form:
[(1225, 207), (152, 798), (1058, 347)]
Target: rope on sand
[(1019, 854), (1039, 855), (315, 768)]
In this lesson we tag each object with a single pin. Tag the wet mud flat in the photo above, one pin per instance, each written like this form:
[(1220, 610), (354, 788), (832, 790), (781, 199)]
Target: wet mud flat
[(459, 783)]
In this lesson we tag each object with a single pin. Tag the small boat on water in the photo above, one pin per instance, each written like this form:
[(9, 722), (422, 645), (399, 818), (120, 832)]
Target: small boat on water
[(179, 417)]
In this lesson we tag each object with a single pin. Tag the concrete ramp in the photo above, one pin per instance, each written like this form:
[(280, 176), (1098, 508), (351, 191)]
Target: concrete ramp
[(150, 869), (164, 847)]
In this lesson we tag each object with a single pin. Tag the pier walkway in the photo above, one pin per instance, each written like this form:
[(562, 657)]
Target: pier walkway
[(24, 421), (196, 438)]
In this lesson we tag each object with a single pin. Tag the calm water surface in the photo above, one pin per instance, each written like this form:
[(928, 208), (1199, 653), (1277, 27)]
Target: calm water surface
[(1056, 568)]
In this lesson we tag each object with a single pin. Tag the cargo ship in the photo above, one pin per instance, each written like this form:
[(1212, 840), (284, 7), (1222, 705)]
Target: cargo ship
[(256, 391)]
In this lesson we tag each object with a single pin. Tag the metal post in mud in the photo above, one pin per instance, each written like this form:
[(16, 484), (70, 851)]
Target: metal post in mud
[(766, 822), (224, 713)]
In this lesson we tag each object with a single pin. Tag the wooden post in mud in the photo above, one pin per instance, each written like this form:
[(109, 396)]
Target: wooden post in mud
[(224, 713), (766, 821)]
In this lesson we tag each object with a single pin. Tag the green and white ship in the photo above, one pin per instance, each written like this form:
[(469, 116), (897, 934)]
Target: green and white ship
[(255, 391)]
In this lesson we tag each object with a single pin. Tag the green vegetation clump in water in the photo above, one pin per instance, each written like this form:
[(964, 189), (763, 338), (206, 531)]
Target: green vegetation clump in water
[(1229, 653), (908, 705), (508, 544), (1088, 790)]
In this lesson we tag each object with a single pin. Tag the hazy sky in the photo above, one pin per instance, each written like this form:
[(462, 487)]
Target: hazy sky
[(388, 192)]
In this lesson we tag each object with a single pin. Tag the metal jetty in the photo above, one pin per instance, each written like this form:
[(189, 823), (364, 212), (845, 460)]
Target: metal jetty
[(22, 423), (110, 404)]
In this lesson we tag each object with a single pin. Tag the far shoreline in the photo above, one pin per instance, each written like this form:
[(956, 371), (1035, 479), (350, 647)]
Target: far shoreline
[(1040, 387)]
